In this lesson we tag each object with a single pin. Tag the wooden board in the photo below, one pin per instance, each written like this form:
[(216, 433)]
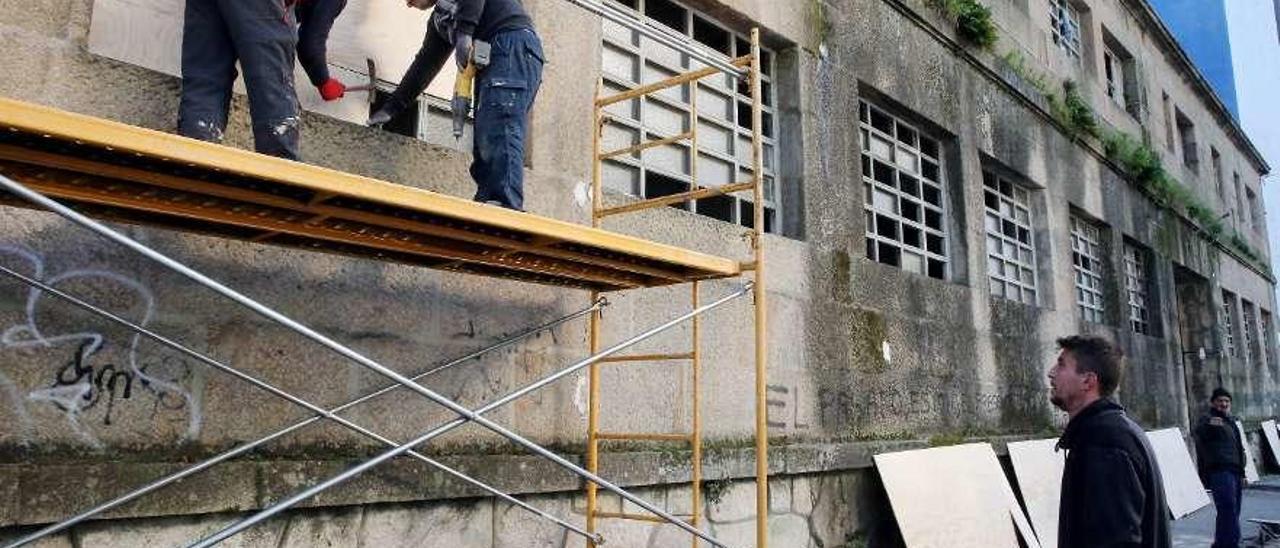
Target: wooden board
[(1182, 488), (954, 496), (1250, 467), (129, 174), (1037, 465), (1272, 435)]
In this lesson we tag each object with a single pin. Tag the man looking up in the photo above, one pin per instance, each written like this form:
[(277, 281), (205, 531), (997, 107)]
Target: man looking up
[(1111, 489), (505, 88)]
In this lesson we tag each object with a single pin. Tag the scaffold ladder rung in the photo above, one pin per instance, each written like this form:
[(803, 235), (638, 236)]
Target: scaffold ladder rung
[(634, 517), (649, 357), (644, 436)]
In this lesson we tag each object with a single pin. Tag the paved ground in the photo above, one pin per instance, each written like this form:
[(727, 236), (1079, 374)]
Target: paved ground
[(1261, 500)]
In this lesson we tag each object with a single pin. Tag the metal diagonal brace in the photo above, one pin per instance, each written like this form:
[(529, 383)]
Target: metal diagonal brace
[(476, 416), (466, 414), (245, 448)]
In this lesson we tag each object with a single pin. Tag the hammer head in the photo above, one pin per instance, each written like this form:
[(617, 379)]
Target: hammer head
[(372, 86)]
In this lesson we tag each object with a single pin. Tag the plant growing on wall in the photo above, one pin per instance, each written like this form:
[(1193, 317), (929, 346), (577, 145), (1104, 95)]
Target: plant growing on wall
[(1073, 111), (973, 21)]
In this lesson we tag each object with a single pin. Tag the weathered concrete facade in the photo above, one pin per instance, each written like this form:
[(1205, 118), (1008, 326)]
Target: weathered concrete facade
[(860, 353)]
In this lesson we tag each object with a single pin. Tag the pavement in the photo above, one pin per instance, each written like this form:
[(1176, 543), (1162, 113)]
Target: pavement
[(1261, 500)]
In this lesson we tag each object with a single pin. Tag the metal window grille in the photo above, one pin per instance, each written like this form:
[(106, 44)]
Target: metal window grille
[(1086, 259), (1135, 279), (723, 155), (1011, 254), (1250, 327), (903, 194), (1228, 324), (1268, 338), (1064, 21)]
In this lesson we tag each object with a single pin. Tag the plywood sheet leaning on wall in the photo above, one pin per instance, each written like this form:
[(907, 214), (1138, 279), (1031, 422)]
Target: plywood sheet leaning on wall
[(1272, 436), (1182, 488), (954, 496), (1037, 466), (1250, 467)]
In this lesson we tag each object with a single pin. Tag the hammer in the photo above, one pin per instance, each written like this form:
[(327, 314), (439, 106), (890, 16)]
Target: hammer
[(372, 86)]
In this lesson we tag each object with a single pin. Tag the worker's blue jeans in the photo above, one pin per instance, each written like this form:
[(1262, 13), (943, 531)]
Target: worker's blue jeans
[(505, 89), (258, 33), (1226, 486)]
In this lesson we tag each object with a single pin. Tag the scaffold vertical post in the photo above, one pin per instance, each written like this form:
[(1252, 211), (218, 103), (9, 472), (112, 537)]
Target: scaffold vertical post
[(593, 396), (758, 292)]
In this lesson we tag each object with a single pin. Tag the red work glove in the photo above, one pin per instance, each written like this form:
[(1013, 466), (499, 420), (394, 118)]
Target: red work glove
[(332, 89)]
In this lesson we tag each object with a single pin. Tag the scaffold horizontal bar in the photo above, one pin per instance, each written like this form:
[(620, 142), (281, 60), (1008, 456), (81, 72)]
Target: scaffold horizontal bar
[(660, 85), (698, 194), (648, 357), (642, 436), (646, 145)]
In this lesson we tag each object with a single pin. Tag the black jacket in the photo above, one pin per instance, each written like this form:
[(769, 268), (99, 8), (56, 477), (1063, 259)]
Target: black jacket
[(485, 18), (1112, 494), (1218, 444)]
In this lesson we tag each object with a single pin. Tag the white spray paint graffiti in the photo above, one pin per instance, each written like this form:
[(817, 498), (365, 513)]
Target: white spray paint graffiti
[(78, 386)]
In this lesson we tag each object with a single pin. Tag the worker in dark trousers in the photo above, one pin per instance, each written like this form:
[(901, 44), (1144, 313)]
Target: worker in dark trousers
[(1220, 460), (258, 33), (505, 88), (315, 20)]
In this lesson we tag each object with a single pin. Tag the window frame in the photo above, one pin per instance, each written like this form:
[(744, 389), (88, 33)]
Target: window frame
[(876, 242), (1228, 325), (1016, 200), (1065, 29), (1087, 242), (632, 118), (1137, 282)]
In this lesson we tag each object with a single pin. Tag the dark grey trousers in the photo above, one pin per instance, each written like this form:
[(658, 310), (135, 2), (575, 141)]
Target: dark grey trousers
[(260, 35)]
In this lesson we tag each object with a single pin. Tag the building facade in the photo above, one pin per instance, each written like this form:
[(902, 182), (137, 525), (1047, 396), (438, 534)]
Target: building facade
[(939, 215)]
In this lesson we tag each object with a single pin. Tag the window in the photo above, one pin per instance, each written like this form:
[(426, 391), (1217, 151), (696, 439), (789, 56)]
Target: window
[(1216, 159), (1064, 24), (1136, 284), (1249, 330), (1255, 214), (1167, 106), (1228, 324), (1121, 74), (1268, 338), (903, 194), (724, 121), (1239, 211), (1011, 255), (1086, 260), (1187, 136)]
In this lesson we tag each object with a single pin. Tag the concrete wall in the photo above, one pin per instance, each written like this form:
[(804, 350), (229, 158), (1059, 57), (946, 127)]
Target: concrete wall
[(859, 352)]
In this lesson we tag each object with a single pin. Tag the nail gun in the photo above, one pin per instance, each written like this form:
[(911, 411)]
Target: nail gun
[(464, 86)]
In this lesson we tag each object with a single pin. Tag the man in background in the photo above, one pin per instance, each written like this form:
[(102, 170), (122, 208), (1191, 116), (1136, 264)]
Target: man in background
[(1220, 456)]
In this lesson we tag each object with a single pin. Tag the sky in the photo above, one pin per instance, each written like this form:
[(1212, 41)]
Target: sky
[(1255, 49)]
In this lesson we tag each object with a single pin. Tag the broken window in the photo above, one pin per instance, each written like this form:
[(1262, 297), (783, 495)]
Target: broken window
[(1011, 254), (1064, 22), (1121, 72), (903, 194), (1086, 261), (1187, 136)]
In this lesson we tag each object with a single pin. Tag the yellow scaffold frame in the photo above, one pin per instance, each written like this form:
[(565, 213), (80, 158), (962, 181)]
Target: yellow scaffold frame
[(595, 436)]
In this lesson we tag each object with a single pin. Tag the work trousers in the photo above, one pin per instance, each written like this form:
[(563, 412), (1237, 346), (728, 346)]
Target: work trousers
[(1226, 486), (505, 93), (260, 35)]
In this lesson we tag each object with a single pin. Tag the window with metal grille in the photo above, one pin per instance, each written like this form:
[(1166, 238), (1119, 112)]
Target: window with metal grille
[(1086, 260), (1064, 23), (724, 151), (1011, 254), (902, 194), (1135, 283), (1228, 324), (1268, 338), (1249, 331)]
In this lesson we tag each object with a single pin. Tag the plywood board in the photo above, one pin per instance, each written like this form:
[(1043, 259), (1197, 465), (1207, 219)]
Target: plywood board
[(1272, 436), (1250, 467), (1182, 487), (954, 496), (148, 33), (1037, 465)]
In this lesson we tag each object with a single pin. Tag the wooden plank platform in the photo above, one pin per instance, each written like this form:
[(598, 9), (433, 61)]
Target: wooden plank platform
[(134, 175)]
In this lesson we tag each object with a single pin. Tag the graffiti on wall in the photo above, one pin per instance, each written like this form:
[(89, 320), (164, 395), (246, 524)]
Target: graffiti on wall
[(95, 373)]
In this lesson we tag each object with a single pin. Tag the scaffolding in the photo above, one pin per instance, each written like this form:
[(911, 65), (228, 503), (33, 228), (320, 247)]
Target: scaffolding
[(595, 436), (78, 166)]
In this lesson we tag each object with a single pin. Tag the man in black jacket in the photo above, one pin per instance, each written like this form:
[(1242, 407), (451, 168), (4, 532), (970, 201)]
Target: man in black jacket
[(505, 89), (1221, 462), (1112, 494)]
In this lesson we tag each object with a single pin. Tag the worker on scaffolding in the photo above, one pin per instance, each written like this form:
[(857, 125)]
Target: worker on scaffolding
[(506, 87), (260, 35), (315, 20)]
